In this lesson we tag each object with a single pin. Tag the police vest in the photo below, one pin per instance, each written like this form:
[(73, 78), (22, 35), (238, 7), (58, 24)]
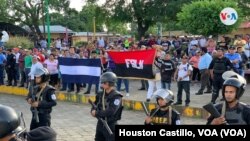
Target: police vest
[(163, 117), (220, 65), (236, 116)]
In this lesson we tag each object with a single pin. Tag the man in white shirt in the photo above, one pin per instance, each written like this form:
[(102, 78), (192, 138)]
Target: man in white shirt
[(182, 74)]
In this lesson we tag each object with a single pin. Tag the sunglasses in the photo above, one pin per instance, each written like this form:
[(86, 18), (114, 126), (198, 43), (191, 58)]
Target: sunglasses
[(104, 82)]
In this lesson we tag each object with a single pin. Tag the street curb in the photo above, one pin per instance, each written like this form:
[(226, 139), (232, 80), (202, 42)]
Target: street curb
[(193, 112)]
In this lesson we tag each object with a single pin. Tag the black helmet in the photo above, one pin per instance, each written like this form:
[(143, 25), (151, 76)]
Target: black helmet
[(167, 95), (236, 83), (108, 77), (9, 120), (44, 73)]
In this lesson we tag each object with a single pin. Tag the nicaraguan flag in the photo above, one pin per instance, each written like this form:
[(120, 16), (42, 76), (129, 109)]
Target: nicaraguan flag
[(80, 70)]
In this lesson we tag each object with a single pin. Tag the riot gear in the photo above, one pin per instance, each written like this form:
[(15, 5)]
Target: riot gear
[(167, 95), (236, 83), (109, 77), (44, 74), (163, 114), (9, 120), (219, 66), (234, 113), (234, 79)]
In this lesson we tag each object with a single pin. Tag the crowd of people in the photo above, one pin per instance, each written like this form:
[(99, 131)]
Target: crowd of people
[(177, 59), (19, 63)]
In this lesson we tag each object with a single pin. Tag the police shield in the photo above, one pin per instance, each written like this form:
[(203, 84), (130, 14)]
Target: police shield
[(232, 74)]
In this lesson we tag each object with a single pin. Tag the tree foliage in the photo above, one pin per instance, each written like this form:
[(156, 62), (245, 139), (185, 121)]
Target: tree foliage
[(3, 11), (70, 19), (30, 12), (202, 17), (144, 13), (245, 6), (92, 11)]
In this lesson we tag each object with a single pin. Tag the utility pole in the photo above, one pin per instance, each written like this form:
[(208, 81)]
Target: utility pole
[(159, 29), (48, 22), (94, 27), (43, 17)]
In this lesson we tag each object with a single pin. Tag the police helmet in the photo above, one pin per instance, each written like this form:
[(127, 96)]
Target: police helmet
[(9, 120), (167, 95), (235, 82), (43, 73), (109, 77)]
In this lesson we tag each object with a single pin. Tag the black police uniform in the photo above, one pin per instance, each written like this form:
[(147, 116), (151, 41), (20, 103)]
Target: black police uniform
[(239, 115), (46, 101), (10, 69), (161, 117), (219, 66), (112, 113)]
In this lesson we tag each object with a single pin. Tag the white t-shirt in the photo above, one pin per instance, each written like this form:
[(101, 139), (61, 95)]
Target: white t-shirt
[(17, 57), (58, 44), (52, 66), (183, 70), (33, 69)]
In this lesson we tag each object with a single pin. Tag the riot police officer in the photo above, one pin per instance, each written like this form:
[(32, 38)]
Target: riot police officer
[(232, 111), (41, 98), (164, 114), (9, 123), (11, 129), (108, 107)]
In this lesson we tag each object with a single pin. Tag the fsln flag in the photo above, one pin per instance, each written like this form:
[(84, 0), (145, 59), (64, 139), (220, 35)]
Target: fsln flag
[(80, 70), (134, 64)]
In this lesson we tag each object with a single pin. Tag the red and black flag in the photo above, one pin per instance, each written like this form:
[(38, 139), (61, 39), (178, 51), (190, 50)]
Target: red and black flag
[(134, 64)]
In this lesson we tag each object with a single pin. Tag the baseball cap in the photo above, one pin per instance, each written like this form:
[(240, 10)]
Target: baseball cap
[(231, 47)]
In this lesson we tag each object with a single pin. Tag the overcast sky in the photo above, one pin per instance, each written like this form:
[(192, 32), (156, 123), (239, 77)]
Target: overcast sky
[(77, 4)]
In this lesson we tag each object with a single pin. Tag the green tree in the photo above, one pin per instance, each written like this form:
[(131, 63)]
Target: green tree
[(116, 27), (3, 11), (91, 11), (31, 12), (245, 6), (202, 17), (143, 13), (70, 19)]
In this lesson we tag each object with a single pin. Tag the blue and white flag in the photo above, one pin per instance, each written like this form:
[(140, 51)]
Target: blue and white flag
[(80, 70)]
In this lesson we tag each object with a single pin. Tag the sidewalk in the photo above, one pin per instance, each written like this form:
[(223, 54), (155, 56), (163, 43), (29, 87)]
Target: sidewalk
[(133, 101)]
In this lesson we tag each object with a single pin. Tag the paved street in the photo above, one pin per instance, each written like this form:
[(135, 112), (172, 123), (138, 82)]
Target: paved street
[(73, 122), (196, 100)]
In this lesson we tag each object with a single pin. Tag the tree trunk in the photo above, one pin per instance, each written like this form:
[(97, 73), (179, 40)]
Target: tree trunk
[(34, 36), (142, 29), (38, 31)]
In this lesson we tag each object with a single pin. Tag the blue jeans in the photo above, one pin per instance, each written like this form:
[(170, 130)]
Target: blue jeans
[(166, 85), (65, 85), (17, 75), (27, 71), (126, 83), (96, 87)]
